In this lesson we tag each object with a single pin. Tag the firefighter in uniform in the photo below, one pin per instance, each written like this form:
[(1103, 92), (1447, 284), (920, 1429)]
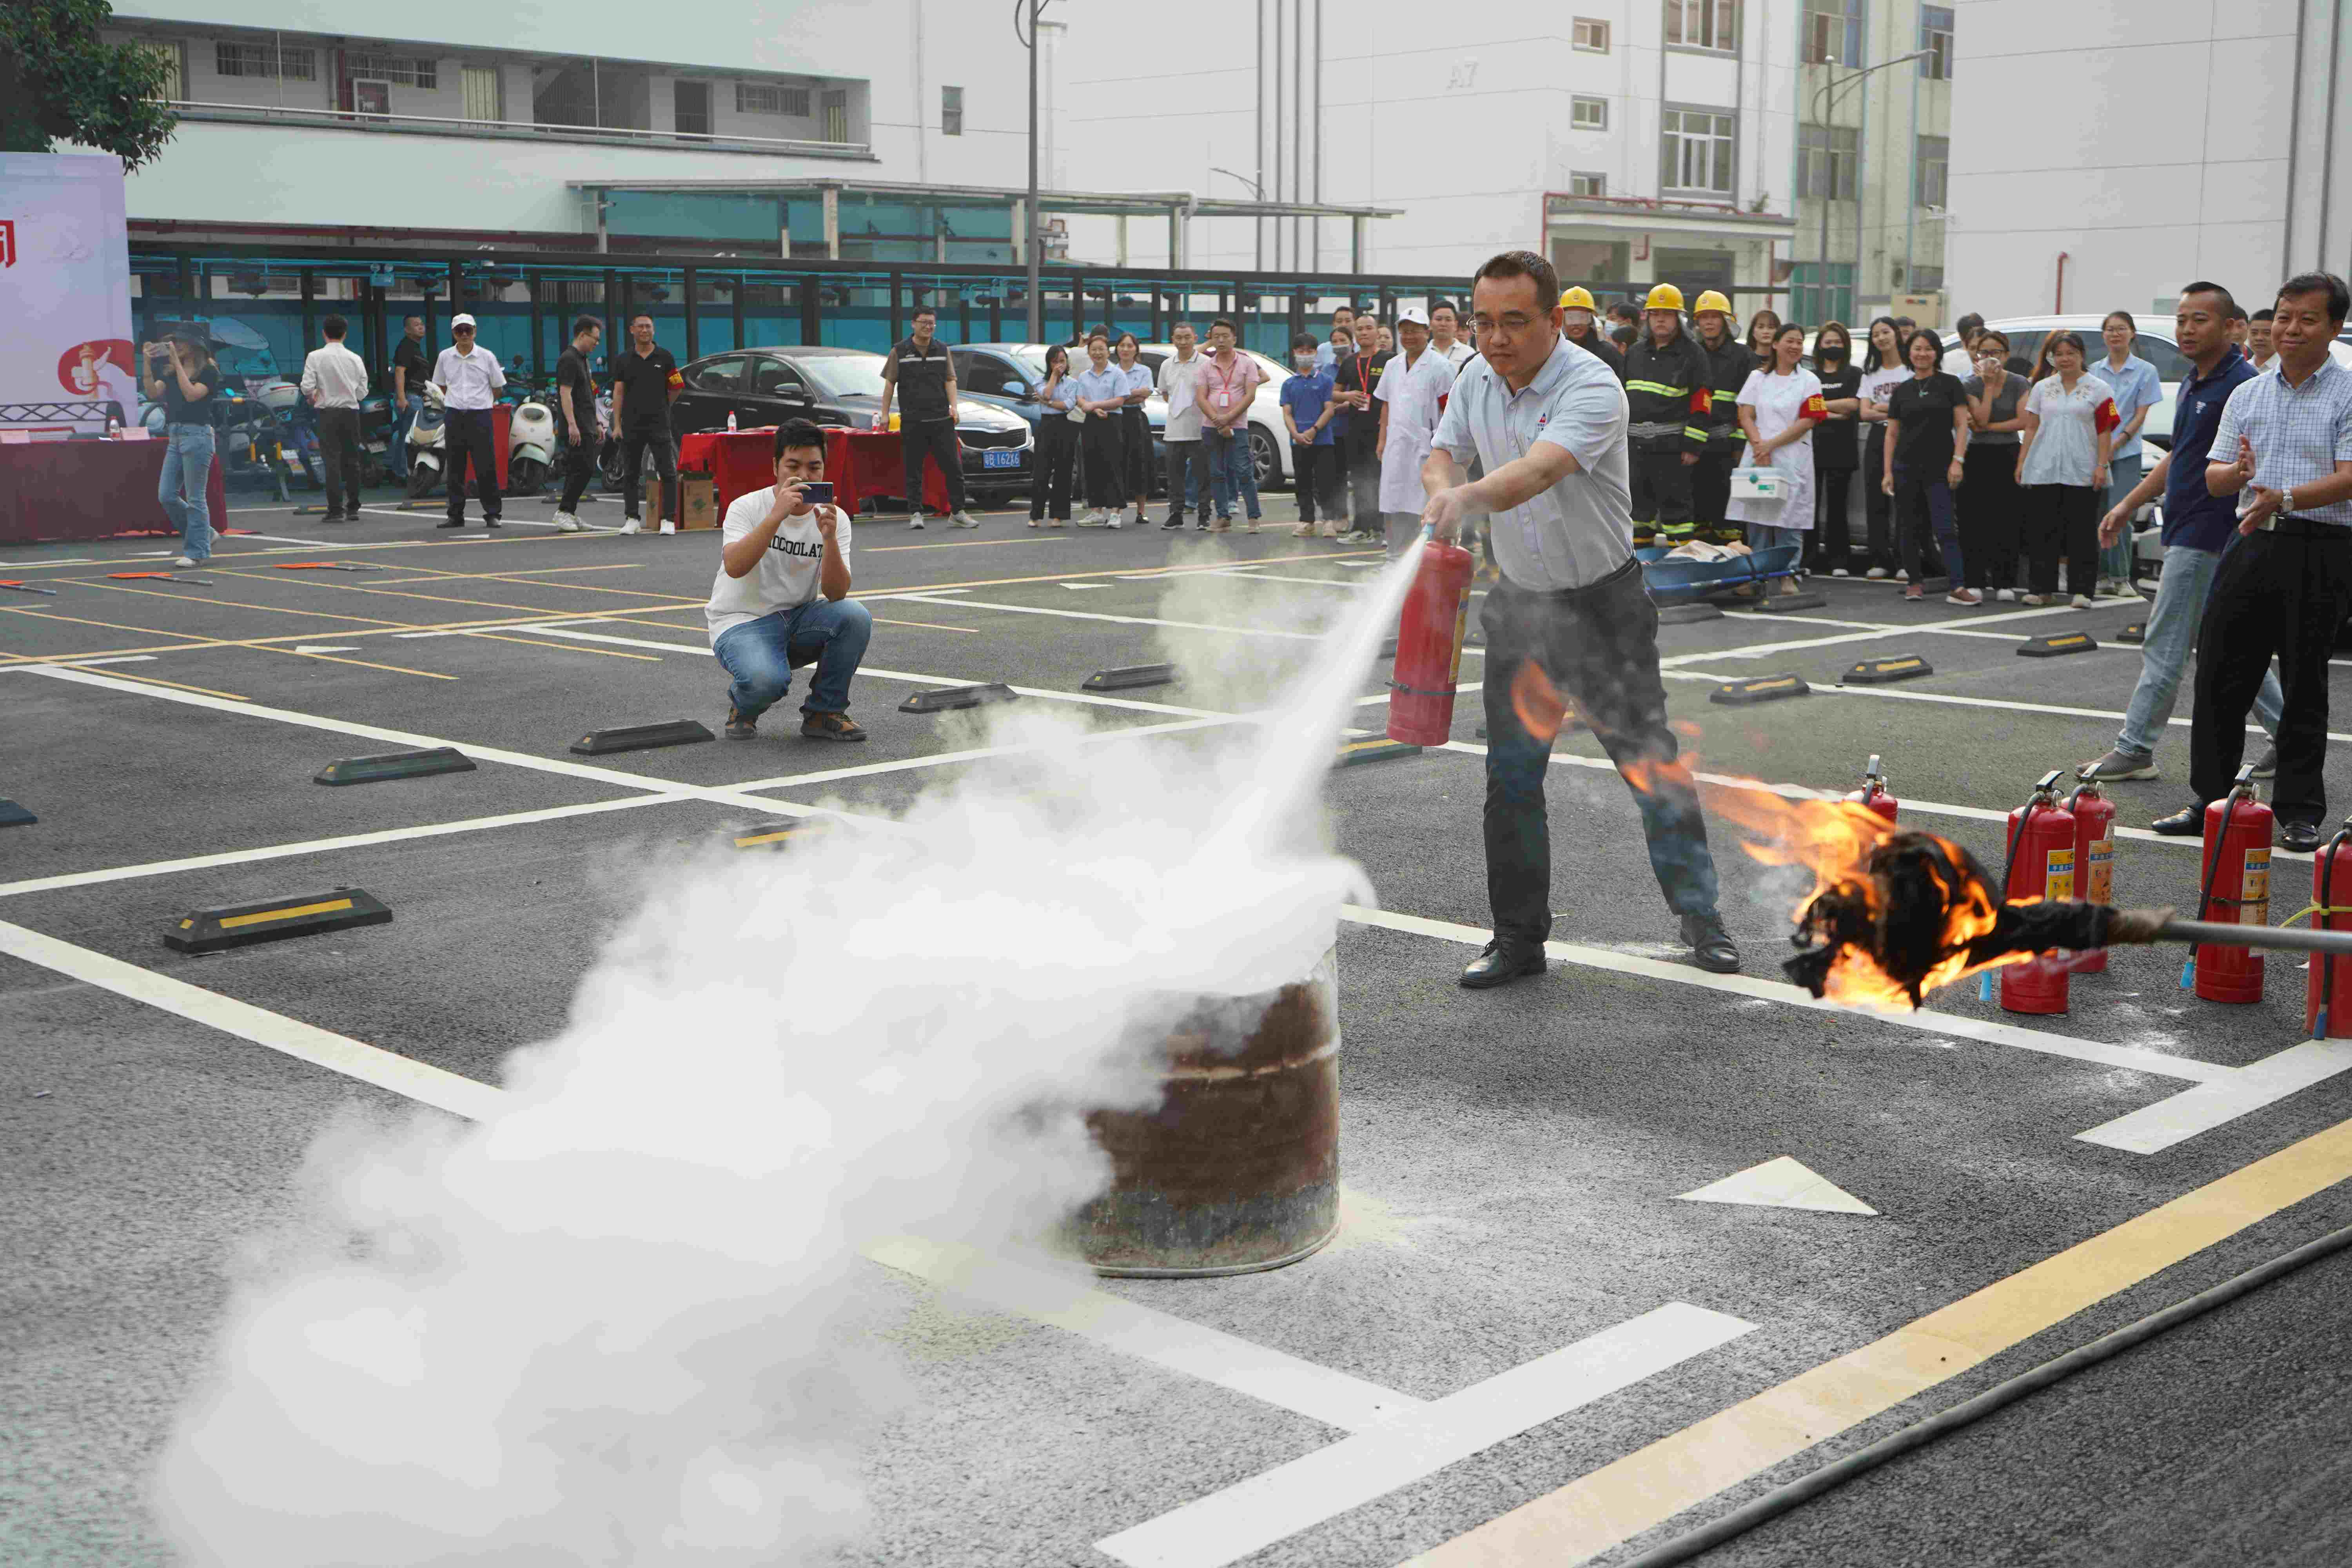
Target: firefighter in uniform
[(1579, 326), (1729, 363), (1668, 394)]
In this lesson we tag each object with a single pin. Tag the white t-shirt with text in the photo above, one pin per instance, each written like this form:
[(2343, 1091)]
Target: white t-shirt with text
[(789, 575)]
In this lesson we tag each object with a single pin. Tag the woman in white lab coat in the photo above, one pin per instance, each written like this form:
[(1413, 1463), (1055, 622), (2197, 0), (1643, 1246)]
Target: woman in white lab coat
[(1411, 395), (1779, 407)]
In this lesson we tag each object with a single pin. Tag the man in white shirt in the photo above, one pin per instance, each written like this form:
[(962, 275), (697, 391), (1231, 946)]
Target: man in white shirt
[(469, 381), (1445, 321), (1412, 393), (782, 597), (334, 379), (1187, 462)]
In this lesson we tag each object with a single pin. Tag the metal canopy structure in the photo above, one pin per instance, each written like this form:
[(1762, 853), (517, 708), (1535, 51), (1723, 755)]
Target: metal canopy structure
[(1178, 207)]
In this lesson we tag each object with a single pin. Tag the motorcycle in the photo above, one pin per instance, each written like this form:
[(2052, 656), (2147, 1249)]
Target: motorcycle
[(425, 445), (608, 451), (250, 437), (530, 446)]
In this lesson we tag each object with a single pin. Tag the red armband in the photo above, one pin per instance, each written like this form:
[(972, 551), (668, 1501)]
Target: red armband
[(1703, 401), (1815, 409), (675, 379), (2106, 418)]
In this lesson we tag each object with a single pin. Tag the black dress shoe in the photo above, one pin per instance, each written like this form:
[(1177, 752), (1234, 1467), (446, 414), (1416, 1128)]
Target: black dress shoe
[(1502, 962), (455, 522), (1710, 945), (2188, 822), (2302, 837)]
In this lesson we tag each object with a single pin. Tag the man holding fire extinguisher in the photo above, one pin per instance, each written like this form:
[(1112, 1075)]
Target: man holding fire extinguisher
[(1570, 622)]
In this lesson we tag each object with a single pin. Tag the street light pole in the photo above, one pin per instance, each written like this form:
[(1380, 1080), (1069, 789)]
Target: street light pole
[(1036, 243), (1826, 92)]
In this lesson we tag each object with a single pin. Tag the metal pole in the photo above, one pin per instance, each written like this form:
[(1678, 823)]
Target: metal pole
[(1257, 118), (1036, 243), (1277, 130), (1297, 126)]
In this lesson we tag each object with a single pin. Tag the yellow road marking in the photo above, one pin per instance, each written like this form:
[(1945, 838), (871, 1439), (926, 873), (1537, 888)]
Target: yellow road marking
[(367, 664), (569, 647), (233, 921), (447, 599), (954, 545), (181, 685), (1645, 1489), (766, 837), (228, 604)]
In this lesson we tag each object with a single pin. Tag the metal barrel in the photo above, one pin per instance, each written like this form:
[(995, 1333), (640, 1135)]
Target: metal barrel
[(1238, 1168)]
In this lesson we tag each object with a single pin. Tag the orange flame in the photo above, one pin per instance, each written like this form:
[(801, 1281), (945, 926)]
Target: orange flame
[(1541, 709)]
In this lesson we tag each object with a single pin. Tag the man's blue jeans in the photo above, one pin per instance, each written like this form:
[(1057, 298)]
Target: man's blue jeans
[(1229, 459), (187, 471), (760, 655), (2180, 594), (404, 421)]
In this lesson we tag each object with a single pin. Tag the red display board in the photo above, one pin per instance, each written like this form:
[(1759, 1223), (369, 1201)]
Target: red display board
[(860, 464), (89, 489)]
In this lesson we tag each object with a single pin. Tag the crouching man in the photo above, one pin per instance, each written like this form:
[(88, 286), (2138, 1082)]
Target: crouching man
[(782, 597)]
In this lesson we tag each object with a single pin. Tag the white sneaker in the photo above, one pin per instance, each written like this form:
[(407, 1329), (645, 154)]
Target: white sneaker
[(1903, 573), (1111, 520), (1841, 571), (1875, 572), (632, 525), (567, 523), (2007, 595), (915, 521), (964, 520), (1098, 517), (668, 527), (186, 561), (2080, 602)]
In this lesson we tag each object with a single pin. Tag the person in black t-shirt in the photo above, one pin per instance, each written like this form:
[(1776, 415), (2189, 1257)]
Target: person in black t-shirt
[(181, 376), (1837, 450), (645, 384), (1927, 432), (410, 370), (1359, 384), (575, 395)]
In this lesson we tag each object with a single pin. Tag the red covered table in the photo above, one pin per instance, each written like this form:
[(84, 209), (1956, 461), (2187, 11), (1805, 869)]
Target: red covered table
[(89, 489), (860, 464)]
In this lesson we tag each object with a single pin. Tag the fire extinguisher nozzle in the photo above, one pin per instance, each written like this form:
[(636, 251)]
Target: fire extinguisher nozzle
[(2189, 972)]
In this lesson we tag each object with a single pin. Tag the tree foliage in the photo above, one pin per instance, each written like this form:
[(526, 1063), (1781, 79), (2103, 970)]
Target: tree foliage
[(61, 81)]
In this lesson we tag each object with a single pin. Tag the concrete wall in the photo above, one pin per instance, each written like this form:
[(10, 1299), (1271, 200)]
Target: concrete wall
[(2169, 161)]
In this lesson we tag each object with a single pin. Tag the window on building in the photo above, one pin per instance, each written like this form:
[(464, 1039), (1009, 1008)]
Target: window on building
[(1936, 37), (401, 70), (1827, 155), (690, 107), (265, 59), (1833, 31), (1934, 162), (1696, 152), (768, 98), (1583, 183), (1591, 35), (482, 93), (175, 70), (1822, 294), (1588, 113), (836, 117), (1704, 24), (951, 111)]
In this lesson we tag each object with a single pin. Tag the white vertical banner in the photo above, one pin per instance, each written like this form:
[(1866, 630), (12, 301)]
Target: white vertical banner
[(65, 290)]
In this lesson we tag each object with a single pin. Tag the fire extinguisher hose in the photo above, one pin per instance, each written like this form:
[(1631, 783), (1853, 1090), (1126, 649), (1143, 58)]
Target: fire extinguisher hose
[(2205, 899), (2008, 870), (1804, 1488)]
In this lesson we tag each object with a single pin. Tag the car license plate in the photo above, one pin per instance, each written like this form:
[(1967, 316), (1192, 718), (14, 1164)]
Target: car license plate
[(1000, 457)]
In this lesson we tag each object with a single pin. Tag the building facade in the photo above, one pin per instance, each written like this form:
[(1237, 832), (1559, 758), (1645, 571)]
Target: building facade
[(1874, 159), (2196, 140)]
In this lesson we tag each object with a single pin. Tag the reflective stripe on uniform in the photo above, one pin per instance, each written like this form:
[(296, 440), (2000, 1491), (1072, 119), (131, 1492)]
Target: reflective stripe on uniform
[(1694, 432), (1661, 388)]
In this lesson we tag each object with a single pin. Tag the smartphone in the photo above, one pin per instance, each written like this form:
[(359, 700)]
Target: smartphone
[(817, 493)]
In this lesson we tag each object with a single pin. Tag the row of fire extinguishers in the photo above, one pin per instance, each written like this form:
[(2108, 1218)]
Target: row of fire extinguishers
[(2064, 849)]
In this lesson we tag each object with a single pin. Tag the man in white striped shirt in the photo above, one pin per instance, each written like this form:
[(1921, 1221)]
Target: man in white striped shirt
[(334, 379), (2285, 586)]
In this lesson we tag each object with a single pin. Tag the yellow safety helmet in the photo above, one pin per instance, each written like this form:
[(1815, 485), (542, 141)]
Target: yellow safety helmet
[(1664, 297), (1711, 300), (1578, 298)]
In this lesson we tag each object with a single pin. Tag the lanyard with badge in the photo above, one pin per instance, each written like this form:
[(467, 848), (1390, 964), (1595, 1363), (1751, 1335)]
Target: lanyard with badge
[(1225, 380)]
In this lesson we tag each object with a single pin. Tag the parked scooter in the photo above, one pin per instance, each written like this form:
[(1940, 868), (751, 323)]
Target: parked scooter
[(531, 447), (251, 441), (426, 456)]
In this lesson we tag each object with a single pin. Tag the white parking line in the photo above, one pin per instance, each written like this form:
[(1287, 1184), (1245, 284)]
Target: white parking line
[(2180, 1117), (1276, 1504)]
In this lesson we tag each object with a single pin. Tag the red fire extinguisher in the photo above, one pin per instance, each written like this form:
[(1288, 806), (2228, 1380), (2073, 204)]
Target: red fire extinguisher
[(2041, 864), (1429, 646), (1873, 794), (2237, 890), (2094, 861), (2327, 994)]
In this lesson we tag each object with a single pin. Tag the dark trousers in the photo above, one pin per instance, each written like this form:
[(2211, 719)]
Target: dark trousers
[(635, 444), (1990, 507), (2064, 520), (1599, 648), (2286, 594), (1832, 534), (1188, 475), (1923, 520), (579, 465), (1057, 458), (1662, 489), (1314, 477), (1877, 506), (1360, 455), (465, 436), (934, 439), (1711, 484), (339, 454), (1103, 439), (1135, 439)]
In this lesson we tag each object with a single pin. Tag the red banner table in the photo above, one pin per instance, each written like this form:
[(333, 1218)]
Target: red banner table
[(89, 489), (862, 464)]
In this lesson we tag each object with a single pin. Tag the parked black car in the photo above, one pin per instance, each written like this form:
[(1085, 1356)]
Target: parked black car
[(842, 387)]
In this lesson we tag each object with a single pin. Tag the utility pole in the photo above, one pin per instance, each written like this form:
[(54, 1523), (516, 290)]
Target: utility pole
[(1036, 242), (1823, 95)]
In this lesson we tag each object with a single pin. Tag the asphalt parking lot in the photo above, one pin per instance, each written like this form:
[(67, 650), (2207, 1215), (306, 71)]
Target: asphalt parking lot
[(1586, 1361)]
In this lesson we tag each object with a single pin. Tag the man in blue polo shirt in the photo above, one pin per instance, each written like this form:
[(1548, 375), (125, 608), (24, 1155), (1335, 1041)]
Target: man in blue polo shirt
[(2197, 526)]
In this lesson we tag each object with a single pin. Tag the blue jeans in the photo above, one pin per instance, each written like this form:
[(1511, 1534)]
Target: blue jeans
[(1229, 461), (403, 420), (2115, 560), (760, 655), (1923, 503), (2172, 621), (187, 470), (1765, 536)]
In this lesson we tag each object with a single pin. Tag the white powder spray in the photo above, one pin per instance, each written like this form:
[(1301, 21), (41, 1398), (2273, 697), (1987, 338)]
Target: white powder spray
[(620, 1322)]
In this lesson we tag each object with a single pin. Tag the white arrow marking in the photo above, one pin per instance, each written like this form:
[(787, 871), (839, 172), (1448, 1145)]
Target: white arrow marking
[(322, 647), (1781, 1183)]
